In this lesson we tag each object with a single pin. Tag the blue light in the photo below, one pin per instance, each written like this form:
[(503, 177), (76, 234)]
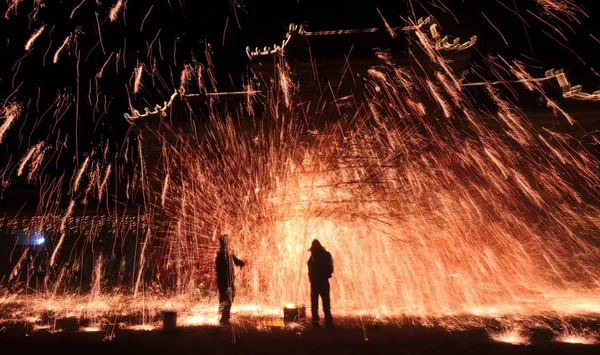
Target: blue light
[(38, 240)]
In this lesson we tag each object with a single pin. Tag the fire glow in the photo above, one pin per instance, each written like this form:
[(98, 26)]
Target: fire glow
[(514, 336), (431, 205), (578, 337)]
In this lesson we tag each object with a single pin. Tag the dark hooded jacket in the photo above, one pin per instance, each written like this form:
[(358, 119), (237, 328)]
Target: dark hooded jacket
[(320, 264), (224, 263)]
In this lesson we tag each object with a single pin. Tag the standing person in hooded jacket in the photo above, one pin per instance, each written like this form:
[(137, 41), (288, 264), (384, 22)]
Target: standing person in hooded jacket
[(225, 278), (320, 270)]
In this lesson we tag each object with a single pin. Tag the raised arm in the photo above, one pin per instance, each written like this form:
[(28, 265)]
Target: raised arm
[(237, 261)]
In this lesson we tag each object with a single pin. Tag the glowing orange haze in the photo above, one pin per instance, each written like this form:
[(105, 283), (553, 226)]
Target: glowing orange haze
[(430, 206), (429, 209)]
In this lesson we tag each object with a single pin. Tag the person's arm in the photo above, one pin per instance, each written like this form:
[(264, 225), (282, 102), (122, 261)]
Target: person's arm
[(238, 262)]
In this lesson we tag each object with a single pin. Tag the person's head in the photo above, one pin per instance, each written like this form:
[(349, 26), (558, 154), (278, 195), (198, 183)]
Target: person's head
[(224, 241), (316, 246)]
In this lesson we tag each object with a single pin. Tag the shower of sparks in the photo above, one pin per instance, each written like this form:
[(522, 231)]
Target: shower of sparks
[(514, 336), (34, 156), (562, 10), (432, 203), (578, 337), (143, 327)]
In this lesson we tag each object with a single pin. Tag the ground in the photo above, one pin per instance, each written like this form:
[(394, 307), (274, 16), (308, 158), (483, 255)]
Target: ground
[(275, 340)]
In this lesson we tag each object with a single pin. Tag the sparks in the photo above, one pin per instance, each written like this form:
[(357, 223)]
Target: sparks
[(34, 37)]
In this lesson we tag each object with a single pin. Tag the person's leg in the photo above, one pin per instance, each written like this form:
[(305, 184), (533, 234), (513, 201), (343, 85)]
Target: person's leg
[(228, 304), (314, 304), (226, 313), (224, 305), (221, 301), (327, 304)]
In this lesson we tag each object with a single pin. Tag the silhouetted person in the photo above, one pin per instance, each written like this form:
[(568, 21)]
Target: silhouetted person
[(320, 269), (225, 278)]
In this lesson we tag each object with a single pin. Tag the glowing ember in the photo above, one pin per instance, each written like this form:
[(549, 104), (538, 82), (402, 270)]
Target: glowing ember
[(515, 336), (585, 337), (271, 323), (90, 329), (142, 327), (38, 327), (47, 328), (31, 319)]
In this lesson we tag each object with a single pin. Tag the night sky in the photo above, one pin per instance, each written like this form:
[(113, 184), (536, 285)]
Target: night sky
[(164, 35)]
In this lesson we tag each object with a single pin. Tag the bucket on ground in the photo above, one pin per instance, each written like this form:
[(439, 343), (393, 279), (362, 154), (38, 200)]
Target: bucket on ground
[(169, 321), (293, 313)]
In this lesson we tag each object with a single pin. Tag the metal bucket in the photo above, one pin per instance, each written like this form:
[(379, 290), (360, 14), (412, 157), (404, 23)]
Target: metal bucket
[(294, 314), (169, 321)]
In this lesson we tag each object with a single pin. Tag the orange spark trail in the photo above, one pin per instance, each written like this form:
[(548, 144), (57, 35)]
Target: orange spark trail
[(9, 113), (496, 28), (115, 10), (34, 37), (104, 182), (63, 226), (60, 49), (80, 174), (164, 190), (138, 78)]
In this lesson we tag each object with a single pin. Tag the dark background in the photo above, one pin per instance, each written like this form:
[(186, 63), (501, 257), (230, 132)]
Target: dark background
[(177, 32)]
